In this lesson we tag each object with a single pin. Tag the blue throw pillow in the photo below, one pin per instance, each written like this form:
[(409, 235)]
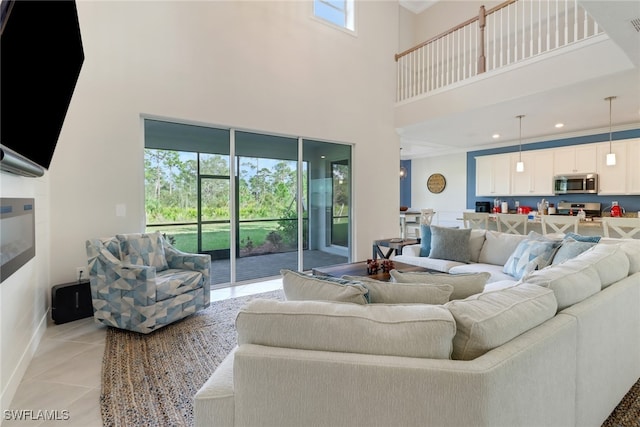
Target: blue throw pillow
[(425, 240), (581, 238), (530, 254), (569, 249)]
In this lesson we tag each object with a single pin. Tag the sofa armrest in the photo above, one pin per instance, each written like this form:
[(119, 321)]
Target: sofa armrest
[(188, 261), (411, 250)]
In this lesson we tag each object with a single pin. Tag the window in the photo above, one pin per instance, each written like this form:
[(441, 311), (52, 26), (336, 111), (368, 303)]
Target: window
[(337, 12)]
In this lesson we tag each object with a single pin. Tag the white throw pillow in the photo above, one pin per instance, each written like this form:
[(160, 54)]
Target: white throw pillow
[(416, 330), (403, 293), (464, 285), (488, 320), (299, 286)]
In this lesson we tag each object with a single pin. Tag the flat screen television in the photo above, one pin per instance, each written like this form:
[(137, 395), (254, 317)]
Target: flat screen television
[(41, 56)]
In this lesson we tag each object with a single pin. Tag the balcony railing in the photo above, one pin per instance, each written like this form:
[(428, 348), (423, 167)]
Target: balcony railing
[(508, 33)]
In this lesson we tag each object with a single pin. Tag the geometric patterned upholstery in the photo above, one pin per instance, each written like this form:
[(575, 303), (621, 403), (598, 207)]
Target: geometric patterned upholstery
[(140, 282)]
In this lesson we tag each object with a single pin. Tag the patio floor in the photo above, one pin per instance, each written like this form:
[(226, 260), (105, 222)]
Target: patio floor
[(269, 265)]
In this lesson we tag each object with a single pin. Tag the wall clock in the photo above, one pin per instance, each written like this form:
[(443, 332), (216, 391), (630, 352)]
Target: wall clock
[(436, 183)]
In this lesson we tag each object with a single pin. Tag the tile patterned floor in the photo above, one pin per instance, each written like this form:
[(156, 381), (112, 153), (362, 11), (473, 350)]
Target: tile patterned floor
[(63, 377)]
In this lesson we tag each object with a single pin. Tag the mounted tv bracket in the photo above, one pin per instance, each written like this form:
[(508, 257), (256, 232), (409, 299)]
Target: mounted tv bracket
[(12, 162)]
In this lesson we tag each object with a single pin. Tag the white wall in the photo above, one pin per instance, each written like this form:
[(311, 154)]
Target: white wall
[(449, 204), (264, 66), (24, 296)]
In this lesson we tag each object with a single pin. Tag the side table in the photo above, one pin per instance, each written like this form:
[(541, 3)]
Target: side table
[(395, 244)]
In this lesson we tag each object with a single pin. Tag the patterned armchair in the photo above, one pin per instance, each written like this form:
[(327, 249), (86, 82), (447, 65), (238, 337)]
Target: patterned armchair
[(140, 282)]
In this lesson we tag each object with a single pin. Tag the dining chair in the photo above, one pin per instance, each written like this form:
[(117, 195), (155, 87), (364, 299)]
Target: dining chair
[(559, 224), (478, 220), (510, 223), (625, 228)]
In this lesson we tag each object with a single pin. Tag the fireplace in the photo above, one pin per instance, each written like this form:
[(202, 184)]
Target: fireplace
[(17, 234)]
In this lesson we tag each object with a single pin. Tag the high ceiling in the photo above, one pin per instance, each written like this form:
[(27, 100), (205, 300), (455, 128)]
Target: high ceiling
[(577, 103)]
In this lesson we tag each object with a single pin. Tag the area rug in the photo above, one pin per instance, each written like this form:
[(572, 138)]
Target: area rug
[(150, 380)]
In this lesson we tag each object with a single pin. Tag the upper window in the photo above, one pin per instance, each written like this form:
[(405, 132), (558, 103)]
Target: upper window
[(337, 12)]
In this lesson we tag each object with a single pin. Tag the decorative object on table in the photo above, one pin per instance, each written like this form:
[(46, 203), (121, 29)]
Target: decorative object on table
[(436, 183), (372, 266), (387, 265), (404, 208)]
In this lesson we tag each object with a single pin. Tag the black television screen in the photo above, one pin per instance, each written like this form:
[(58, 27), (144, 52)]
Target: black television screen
[(40, 58)]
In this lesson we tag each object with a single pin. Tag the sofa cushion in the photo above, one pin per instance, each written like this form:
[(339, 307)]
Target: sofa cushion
[(425, 240), (572, 281), (299, 286), (495, 271), (463, 284), (631, 247), (143, 249), (609, 261), (450, 243), (498, 247), (416, 330), (172, 282), (569, 249), (442, 265), (533, 253), (476, 241), (403, 293), (488, 320)]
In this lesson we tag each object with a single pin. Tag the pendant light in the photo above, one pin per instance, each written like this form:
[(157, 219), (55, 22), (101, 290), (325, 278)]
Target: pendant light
[(611, 157), (520, 164), (403, 172)]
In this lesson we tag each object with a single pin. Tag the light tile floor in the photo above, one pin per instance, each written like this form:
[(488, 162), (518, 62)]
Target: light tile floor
[(63, 377)]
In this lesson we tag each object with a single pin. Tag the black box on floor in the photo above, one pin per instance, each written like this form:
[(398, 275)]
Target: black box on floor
[(71, 301)]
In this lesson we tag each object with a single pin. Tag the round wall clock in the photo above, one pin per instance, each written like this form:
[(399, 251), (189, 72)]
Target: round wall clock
[(436, 183)]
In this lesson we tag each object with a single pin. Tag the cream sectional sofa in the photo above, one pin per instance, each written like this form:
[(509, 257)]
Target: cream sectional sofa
[(560, 347)]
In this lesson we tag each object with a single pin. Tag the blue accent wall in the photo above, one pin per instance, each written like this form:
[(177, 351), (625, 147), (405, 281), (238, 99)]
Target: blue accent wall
[(405, 185), (629, 203)]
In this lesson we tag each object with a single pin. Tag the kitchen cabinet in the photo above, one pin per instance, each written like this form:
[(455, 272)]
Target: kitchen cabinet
[(613, 179), (493, 175), (575, 159), (537, 177), (633, 166)]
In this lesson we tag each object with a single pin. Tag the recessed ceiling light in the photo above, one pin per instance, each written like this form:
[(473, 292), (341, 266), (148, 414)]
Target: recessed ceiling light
[(496, 135), (559, 125)]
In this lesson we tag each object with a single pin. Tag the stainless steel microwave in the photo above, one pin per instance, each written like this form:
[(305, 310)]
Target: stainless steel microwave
[(586, 183)]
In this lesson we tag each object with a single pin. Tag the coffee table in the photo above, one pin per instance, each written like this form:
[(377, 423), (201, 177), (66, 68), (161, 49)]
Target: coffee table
[(360, 269)]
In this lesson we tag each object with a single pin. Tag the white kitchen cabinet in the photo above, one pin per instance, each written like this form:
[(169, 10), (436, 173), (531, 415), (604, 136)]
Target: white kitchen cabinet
[(633, 166), (613, 179), (537, 177), (575, 159), (493, 175)]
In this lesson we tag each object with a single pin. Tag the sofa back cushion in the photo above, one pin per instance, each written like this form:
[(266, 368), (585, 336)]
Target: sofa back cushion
[(416, 330), (143, 249), (476, 241), (488, 320), (403, 293), (300, 286), (498, 247), (631, 247), (463, 284), (610, 262)]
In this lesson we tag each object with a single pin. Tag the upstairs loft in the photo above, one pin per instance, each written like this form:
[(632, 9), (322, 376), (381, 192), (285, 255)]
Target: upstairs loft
[(542, 58)]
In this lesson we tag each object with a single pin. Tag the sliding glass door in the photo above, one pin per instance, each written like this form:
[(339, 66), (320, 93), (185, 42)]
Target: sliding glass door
[(277, 203)]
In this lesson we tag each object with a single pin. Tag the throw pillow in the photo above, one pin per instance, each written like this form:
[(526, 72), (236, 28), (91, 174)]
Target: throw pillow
[(488, 320), (450, 243), (581, 238), (531, 254), (463, 284), (143, 249), (425, 240), (569, 249), (403, 293), (299, 286), (498, 247)]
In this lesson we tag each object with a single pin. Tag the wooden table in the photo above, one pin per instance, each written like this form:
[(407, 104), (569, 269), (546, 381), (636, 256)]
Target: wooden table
[(360, 269), (392, 244)]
